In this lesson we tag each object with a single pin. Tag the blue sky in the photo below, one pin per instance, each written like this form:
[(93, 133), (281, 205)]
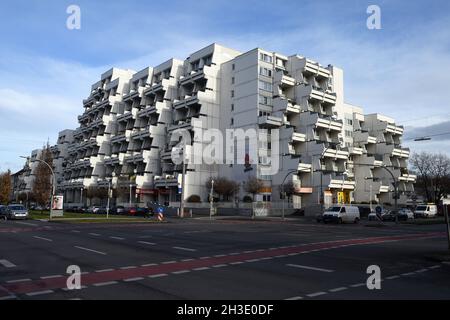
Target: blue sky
[(46, 70)]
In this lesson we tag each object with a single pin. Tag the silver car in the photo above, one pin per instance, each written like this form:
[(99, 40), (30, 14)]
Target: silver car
[(17, 211)]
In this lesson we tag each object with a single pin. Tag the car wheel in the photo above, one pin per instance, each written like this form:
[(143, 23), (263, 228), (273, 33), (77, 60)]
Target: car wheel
[(356, 220), (340, 221)]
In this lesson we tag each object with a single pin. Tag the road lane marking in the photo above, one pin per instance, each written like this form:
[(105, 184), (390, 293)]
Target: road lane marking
[(37, 293), (185, 260), (146, 242), (295, 298), (316, 294), (219, 265), (133, 279), (168, 262), (201, 269), (94, 234), (117, 238), (219, 255), (434, 267), (129, 267), (408, 274), (7, 264), (104, 270), (52, 277), (393, 277), (185, 249), (7, 297), (158, 275), (181, 271), (421, 270), (356, 285), (42, 238), (75, 231), (149, 265), (91, 250), (102, 284), (18, 280), (338, 289), (309, 268)]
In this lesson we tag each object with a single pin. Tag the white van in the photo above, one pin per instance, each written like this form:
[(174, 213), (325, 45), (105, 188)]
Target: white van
[(341, 214), (425, 211)]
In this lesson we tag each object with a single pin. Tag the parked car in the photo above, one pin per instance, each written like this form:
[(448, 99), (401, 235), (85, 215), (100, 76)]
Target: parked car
[(118, 210), (139, 212), (341, 214), (17, 211), (425, 211), (99, 210), (405, 214), (4, 212)]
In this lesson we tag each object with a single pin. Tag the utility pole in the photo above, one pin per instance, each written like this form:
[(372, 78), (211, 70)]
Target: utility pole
[(447, 224), (211, 200), (183, 174)]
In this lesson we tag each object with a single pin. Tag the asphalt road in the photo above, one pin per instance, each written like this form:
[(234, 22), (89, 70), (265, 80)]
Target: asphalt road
[(226, 259)]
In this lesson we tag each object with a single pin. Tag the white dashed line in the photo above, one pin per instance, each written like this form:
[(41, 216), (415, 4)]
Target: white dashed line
[(158, 275), (52, 277), (146, 242), (237, 262), (133, 279), (186, 260), (27, 224), (185, 249), (94, 234), (7, 297), (101, 284), (37, 293), (181, 272), (129, 267), (104, 270), (219, 255), (117, 238), (421, 270), (357, 285), (393, 277), (168, 262), (408, 274), (91, 250), (18, 280), (434, 267), (201, 269), (203, 258), (219, 265), (75, 231), (316, 294), (338, 289), (149, 265), (295, 298), (41, 238), (7, 264), (309, 268)]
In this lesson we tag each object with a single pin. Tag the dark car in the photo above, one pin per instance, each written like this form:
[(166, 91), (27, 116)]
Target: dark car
[(140, 212), (4, 212), (118, 210), (17, 211)]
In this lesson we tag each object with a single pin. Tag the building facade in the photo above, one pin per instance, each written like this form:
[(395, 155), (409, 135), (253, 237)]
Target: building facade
[(327, 149)]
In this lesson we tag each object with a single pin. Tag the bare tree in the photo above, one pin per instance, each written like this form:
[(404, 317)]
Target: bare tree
[(288, 188), (42, 186), (433, 171), (223, 187), (253, 186), (5, 187)]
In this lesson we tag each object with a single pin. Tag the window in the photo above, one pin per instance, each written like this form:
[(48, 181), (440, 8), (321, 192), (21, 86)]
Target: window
[(233, 67), (265, 72), (265, 85), (232, 80), (232, 107), (265, 57), (265, 100), (232, 121), (348, 133), (232, 93), (349, 122)]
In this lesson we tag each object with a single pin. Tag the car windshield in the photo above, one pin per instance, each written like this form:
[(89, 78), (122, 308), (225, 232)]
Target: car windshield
[(421, 208), (16, 207), (334, 209)]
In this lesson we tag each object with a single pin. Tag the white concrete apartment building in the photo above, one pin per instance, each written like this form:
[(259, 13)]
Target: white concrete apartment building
[(327, 147)]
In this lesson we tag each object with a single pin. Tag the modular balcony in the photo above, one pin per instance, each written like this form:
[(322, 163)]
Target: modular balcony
[(270, 122), (402, 153), (304, 167), (157, 87), (342, 184), (315, 93), (166, 181), (408, 177), (328, 123), (201, 74), (284, 80), (133, 94), (284, 104), (315, 68), (298, 137), (147, 112), (336, 154), (391, 128)]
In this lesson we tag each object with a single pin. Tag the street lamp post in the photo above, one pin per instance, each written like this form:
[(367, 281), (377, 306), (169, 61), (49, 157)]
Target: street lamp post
[(283, 191), (109, 194), (81, 196), (211, 200), (53, 181)]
